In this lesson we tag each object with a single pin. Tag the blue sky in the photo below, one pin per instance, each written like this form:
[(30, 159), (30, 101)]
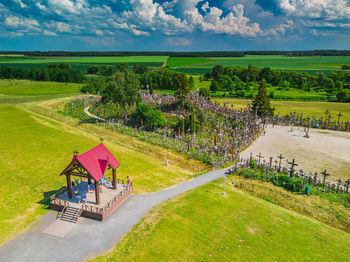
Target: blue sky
[(178, 25)]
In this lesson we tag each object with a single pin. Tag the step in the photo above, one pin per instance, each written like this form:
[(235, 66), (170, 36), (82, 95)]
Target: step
[(70, 215)]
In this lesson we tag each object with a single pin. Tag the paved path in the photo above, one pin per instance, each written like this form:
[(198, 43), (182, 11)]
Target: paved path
[(86, 111), (90, 238)]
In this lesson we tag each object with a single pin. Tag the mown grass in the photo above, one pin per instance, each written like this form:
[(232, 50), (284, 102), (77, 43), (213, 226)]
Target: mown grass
[(27, 87), (35, 149), (307, 108), (204, 225)]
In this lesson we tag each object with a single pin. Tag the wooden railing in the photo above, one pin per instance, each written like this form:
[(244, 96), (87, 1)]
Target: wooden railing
[(117, 197), (58, 193), (92, 209), (60, 202)]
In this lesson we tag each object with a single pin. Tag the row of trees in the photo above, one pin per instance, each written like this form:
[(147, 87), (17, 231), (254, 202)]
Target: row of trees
[(238, 79), (61, 72)]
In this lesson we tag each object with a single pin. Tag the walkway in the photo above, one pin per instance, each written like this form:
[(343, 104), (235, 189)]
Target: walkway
[(91, 238), (86, 111)]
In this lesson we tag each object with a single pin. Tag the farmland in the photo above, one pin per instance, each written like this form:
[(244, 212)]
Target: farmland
[(307, 64), (203, 225)]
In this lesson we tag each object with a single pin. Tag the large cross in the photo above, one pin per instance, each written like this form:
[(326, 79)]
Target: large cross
[(293, 164), (325, 174), (259, 156), (339, 116), (279, 165), (75, 152)]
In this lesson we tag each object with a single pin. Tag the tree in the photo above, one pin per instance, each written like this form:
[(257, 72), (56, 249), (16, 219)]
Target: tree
[(153, 118), (123, 90), (218, 71), (207, 76), (140, 69), (181, 88), (204, 91), (214, 86), (93, 70), (261, 104), (345, 67), (191, 83), (343, 96)]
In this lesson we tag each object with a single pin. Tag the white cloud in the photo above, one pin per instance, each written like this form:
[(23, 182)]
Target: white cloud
[(46, 32), (178, 41)]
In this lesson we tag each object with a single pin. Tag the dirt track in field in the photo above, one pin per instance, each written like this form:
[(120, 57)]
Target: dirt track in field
[(325, 149)]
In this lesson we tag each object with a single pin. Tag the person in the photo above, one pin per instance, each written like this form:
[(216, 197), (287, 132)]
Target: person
[(73, 184), (84, 198), (78, 197)]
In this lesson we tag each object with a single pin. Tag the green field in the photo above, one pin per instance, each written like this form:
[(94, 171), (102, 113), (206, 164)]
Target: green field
[(307, 108), (23, 91), (187, 61), (310, 64), (203, 225)]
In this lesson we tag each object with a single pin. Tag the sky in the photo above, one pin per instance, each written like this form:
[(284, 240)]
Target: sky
[(177, 25)]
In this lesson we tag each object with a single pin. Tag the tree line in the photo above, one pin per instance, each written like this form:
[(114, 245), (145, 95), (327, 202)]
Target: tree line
[(60, 72), (237, 80)]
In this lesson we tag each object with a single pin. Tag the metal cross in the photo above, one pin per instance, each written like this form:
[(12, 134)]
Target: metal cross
[(338, 185), (293, 164), (259, 156), (339, 115), (280, 157)]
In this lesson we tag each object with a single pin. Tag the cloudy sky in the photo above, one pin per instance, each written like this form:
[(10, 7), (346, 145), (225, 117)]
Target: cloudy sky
[(178, 25)]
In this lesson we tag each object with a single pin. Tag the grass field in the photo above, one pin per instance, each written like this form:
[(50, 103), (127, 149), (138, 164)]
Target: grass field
[(310, 64), (187, 61), (97, 59), (203, 225), (24, 91), (307, 108)]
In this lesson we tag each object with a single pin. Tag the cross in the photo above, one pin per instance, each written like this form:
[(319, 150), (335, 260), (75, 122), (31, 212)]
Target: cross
[(259, 156), (270, 165), (339, 115), (276, 164), (325, 174), (347, 182), (339, 182), (315, 178), (75, 152), (293, 164), (280, 157), (101, 139)]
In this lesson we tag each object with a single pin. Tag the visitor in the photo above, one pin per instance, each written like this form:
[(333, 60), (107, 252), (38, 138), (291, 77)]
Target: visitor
[(73, 184), (78, 197), (84, 198)]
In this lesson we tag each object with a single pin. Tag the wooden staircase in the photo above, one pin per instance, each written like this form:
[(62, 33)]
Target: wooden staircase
[(70, 214)]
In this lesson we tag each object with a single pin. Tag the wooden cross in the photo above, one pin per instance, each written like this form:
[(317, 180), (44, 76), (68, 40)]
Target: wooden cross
[(339, 182), (101, 139), (293, 164), (270, 164), (325, 174), (276, 164), (339, 115), (280, 157), (259, 156), (75, 152)]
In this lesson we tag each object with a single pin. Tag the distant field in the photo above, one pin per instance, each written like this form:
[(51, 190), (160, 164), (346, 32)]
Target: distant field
[(187, 61), (82, 63), (308, 108), (203, 225), (308, 64)]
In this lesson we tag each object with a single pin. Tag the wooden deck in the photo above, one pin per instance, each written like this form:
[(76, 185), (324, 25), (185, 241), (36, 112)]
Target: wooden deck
[(110, 199)]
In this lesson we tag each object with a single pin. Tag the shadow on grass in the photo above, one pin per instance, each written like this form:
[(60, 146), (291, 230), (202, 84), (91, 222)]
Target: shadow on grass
[(45, 202), (87, 121)]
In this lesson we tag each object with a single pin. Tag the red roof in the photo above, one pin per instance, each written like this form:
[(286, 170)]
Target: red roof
[(96, 161)]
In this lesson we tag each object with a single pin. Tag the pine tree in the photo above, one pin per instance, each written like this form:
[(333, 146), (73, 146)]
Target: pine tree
[(261, 104)]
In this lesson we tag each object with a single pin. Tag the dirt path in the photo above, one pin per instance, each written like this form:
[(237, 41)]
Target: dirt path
[(325, 149)]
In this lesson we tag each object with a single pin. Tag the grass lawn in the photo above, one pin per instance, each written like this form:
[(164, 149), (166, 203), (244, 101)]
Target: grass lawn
[(307, 108), (35, 149), (203, 225)]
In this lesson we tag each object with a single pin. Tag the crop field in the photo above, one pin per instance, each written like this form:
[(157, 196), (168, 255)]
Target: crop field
[(187, 61), (326, 64), (203, 225), (307, 108), (82, 63)]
